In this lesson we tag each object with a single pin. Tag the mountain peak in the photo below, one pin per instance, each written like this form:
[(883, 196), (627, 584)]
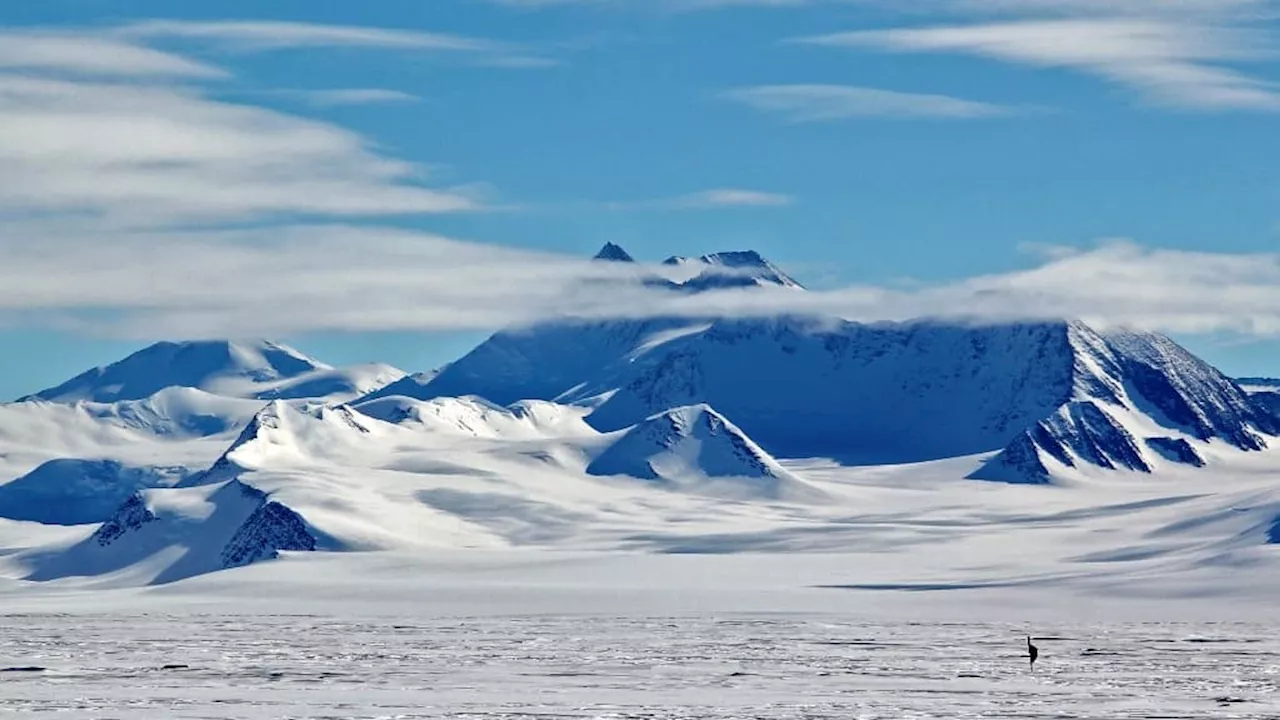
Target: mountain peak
[(730, 269), (613, 253), (209, 365), (697, 449)]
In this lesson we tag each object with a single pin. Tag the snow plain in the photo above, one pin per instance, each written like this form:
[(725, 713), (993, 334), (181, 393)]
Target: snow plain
[(906, 595)]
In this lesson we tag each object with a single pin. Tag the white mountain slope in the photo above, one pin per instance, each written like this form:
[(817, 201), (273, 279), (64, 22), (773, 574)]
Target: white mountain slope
[(1138, 401), (217, 366), (723, 270), (476, 417), (332, 385), (174, 412), (696, 448), (874, 394), (245, 370), (405, 385), (160, 536), (70, 491), (82, 446)]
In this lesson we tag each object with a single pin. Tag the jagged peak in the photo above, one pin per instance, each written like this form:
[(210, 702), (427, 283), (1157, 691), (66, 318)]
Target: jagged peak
[(737, 268), (613, 253)]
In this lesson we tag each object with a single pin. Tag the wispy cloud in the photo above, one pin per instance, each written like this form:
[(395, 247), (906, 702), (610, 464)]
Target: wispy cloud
[(262, 35), (730, 198), (94, 56), (349, 96), (711, 199), (357, 278), (129, 149), (1171, 60), (815, 103), (132, 153)]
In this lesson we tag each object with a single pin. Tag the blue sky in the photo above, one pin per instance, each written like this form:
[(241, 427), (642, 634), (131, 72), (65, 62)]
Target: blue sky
[(921, 154)]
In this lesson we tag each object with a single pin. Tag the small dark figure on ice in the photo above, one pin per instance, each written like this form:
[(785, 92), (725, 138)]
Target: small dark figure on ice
[(1033, 652)]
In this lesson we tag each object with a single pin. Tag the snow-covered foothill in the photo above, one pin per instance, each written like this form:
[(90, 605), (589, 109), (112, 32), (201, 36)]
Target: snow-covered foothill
[(697, 448)]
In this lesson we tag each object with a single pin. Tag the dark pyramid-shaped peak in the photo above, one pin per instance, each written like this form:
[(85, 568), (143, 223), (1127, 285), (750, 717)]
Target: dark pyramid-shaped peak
[(613, 253)]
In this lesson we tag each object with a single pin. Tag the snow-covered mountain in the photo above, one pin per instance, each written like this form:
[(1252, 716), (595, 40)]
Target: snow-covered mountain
[(1137, 400), (725, 270), (883, 393), (405, 386), (216, 366), (334, 385), (694, 447), (186, 458), (168, 535), (70, 491), (247, 370)]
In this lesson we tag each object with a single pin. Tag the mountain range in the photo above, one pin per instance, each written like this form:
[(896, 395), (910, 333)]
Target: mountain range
[(191, 457)]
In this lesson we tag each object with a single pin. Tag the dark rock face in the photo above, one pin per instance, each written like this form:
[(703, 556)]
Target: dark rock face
[(269, 530), (132, 515), (1139, 374), (1080, 430), (1177, 450), (613, 253), (1269, 401)]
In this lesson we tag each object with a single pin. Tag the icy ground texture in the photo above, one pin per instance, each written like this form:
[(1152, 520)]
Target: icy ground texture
[(606, 667)]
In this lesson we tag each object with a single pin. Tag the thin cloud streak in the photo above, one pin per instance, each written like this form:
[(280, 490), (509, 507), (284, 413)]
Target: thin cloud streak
[(1184, 63), (263, 35), (821, 103), (349, 96), (732, 197)]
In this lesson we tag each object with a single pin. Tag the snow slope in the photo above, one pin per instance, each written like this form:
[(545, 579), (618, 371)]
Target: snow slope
[(405, 385), (220, 367), (71, 491), (725, 270), (333, 385), (696, 448), (1138, 401), (866, 394), (162, 536)]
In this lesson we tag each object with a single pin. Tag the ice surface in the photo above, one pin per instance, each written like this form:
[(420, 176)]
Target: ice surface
[(785, 667)]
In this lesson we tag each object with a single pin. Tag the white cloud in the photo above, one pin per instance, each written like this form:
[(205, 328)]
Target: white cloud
[(349, 96), (732, 197), (93, 56), (145, 153), (815, 103), (260, 35), (1185, 62), (330, 277)]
